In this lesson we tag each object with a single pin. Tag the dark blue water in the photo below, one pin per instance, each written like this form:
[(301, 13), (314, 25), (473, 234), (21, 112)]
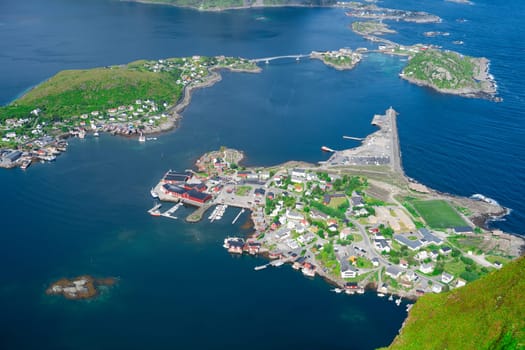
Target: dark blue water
[(178, 288)]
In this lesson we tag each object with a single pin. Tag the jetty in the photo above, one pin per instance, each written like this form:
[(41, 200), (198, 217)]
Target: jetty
[(238, 215), (169, 213), (155, 210), (353, 138)]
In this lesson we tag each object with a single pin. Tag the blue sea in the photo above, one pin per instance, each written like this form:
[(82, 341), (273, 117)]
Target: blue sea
[(178, 288)]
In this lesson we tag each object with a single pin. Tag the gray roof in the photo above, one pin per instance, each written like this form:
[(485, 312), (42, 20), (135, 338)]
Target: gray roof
[(392, 270), (429, 236), (409, 243)]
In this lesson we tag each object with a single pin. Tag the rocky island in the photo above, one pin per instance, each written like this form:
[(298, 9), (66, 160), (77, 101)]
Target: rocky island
[(451, 73), (341, 59), (371, 28), (82, 287)]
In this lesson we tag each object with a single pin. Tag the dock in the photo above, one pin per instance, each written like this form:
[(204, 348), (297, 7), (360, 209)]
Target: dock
[(169, 213), (155, 209), (353, 138), (237, 217)]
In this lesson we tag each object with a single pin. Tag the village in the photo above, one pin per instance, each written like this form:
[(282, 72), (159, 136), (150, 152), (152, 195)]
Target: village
[(329, 224), (36, 138)]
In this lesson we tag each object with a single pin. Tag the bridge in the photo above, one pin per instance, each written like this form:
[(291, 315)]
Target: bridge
[(268, 59)]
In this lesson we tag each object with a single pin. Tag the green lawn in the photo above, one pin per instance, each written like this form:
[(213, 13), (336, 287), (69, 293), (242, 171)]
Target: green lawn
[(438, 214)]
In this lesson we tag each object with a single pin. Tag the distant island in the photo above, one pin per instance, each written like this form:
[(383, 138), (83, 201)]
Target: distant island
[(219, 5), (487, 314), (82, 287)]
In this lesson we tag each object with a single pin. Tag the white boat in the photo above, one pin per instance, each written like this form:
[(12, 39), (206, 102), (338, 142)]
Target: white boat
[(349, 291), (153, 193), (391, 297), (398, 301), (151, 139), (380, 295), (96, 134), (260, 267), (81, 134), (361, 290), (337, 290), (142, 138)]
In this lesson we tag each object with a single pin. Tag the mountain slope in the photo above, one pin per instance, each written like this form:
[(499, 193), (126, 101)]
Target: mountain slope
[(486, 314)]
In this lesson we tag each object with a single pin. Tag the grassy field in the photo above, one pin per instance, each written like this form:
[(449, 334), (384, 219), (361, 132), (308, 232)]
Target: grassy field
[(438, 214), (485, 314), (73, 92)]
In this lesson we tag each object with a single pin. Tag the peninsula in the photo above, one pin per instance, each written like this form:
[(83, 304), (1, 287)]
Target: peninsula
[(355, 219), (141, 97)]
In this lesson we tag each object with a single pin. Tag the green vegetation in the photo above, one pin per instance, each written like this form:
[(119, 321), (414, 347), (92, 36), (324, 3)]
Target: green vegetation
[(242, 190), (371, 27), (438, 214), (328, 258), (74, 92), (486, 314), (443, 69)]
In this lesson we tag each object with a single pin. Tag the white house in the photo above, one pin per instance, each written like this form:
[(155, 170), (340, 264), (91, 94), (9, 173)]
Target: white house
[(426, 268), (446, 277), (347, 270), (437, 288)]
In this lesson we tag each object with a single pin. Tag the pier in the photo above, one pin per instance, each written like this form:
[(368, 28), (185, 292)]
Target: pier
[(353, 138), (238, 215), (168, 213), (155, 210)]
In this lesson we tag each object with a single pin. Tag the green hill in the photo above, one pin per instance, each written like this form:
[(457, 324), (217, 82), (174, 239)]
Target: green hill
[(485, 314), (82, 91)]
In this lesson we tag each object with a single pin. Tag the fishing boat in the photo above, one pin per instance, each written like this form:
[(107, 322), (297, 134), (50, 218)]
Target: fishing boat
[(153, 193), (25, 164)]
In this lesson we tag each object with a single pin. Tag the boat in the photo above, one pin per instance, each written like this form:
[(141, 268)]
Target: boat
[(380, 295), (25, 164), (308, 272), (327, 149), (96, 134), (458, 42), (155, 212), (360, 290), (350, 291), (391, 297), (409, 306), (260, 267), (337, 290), (142, 138), (277, 263), (151, 139), (153, 193), (398, 301)]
